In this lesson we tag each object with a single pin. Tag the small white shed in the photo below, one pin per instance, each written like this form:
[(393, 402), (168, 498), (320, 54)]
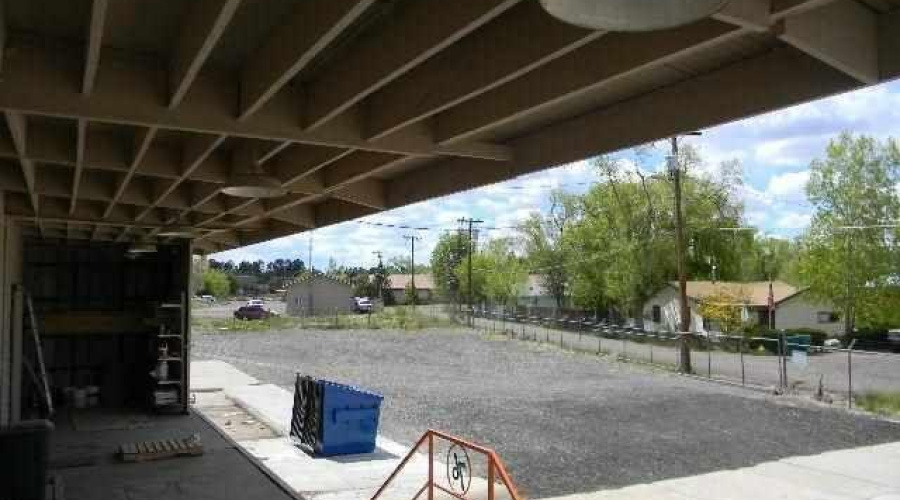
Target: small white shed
[(318, 295)]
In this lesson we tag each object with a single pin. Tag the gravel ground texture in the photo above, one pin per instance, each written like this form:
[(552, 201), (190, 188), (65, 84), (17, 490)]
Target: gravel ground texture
[(563, 422)]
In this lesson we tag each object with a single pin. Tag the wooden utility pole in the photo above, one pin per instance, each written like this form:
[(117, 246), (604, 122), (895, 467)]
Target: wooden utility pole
[(684, 308), (412, 267), (471, 223), (380, 276)]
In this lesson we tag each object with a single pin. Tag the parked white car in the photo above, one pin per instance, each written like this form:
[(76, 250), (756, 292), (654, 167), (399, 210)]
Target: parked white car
[(831, 344)]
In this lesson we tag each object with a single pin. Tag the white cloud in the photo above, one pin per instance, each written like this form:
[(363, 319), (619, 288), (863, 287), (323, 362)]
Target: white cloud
[(788, 186)]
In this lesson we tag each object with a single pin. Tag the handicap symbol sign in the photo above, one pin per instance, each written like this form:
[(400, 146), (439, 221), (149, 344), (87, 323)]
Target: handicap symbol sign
[(459, 468)]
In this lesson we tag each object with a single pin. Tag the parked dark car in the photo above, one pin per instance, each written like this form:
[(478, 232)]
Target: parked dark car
[(253, 312)]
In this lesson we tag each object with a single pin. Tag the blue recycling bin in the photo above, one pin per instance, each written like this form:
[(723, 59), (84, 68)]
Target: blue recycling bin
[(349, 419), (334, 419)]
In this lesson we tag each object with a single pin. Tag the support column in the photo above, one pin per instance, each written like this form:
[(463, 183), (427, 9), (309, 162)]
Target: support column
[(5, 379), (10, 320)]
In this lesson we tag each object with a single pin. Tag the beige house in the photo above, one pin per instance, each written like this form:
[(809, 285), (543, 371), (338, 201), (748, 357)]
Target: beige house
[(318, 295), (793, 307), (424, 287)]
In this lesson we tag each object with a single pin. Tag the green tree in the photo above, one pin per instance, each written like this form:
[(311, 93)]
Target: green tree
[(216, 283), (848, 256), (765, 257), (482, 265), (497, 273), (543, 239), (451, 249), (623, 235), (725, 308)]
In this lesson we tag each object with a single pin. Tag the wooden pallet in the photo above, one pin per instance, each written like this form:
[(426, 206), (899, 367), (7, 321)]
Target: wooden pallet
[(161, 449)]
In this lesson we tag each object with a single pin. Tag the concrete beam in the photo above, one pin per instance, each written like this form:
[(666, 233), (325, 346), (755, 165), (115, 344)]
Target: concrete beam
[(775, 79), (842, 34), (94, 45), (366, 192), (889, 45), (415, 32), (485, 59), (80, 141), (616, 55), (753, 15), (355, 167), (141, 145), (335, 211), (195, 152), (300, 161), (18, 130), (201, 30), (127, 93), (299, 215), (311, 27)]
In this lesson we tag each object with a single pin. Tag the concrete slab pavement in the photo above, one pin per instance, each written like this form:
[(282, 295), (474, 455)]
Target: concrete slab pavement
[(353, 477), (210, 376), (866, 473)]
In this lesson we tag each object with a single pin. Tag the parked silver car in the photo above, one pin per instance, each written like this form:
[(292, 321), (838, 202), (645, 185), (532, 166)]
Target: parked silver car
[(362, 305)]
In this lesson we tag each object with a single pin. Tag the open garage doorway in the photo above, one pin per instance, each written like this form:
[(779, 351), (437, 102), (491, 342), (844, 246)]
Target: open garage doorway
[(111, 320)]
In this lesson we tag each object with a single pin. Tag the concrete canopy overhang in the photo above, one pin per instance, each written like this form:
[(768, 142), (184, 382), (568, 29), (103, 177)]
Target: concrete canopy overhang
[(126, 117)]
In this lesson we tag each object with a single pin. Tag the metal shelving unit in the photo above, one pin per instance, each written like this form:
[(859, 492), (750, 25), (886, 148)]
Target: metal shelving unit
[(168, 392)]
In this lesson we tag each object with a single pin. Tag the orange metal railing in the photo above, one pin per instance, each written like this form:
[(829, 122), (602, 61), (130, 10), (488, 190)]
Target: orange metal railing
[(495, 468)]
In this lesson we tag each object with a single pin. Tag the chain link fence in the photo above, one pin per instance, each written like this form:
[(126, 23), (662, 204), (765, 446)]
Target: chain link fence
[(788, 364)]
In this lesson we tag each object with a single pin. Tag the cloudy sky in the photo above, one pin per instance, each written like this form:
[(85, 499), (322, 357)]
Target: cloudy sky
[(775, 150)]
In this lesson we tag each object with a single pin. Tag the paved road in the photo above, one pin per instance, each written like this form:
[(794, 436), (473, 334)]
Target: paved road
[(564, 422), (870, 371)]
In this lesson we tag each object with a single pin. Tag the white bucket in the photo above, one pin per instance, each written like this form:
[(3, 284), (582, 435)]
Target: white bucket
[(93, 396), (80, 397)]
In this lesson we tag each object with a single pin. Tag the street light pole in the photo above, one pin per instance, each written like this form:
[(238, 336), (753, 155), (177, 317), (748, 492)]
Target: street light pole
[(684, 308)]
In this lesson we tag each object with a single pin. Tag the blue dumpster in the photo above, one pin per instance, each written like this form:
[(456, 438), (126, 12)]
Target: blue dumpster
[(334, 419), (349, 419)]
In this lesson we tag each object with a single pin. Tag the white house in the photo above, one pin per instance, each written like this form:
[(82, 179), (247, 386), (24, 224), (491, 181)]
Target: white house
[(318, 295), (533, 293), (794, 308)]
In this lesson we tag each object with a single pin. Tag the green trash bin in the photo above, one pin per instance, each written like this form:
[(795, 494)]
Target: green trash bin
[(798, 343)]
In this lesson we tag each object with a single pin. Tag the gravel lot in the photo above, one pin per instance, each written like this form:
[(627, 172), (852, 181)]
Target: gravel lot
[(563, 422)]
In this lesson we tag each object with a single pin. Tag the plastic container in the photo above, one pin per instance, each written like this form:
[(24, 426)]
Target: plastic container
[(334, 419), (80, 398), (93, 396), (349, 419), (798, 343), (24, 449)]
